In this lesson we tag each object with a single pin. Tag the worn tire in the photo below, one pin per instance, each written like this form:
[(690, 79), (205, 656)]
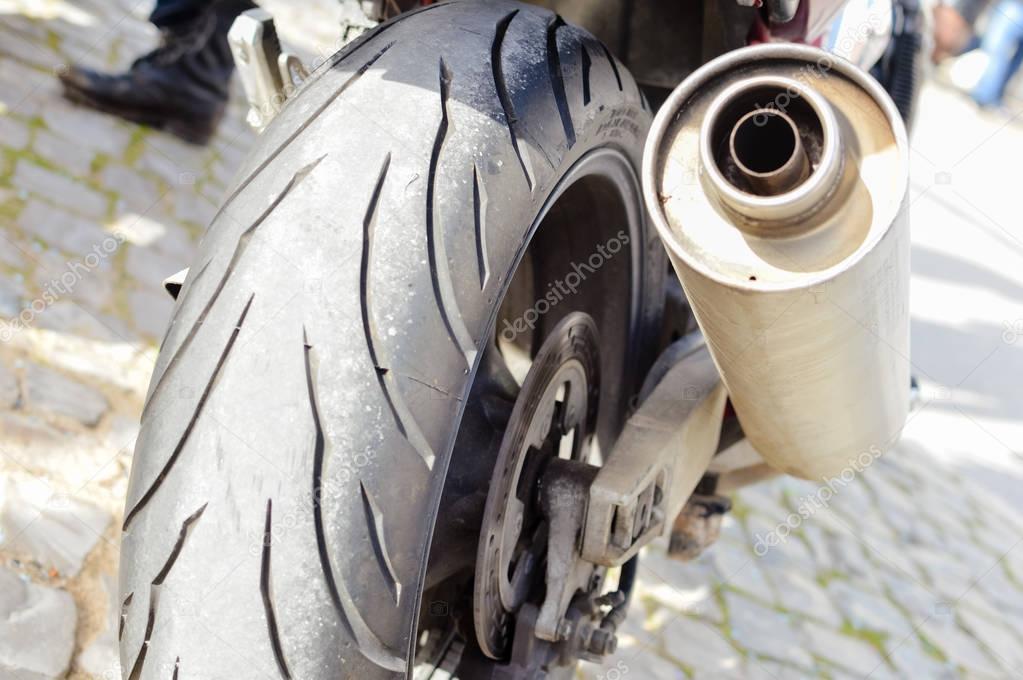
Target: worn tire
[(305, 403)]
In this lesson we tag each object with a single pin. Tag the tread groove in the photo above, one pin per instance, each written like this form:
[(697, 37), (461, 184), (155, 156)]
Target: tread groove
[(354, 78), (504, 97), (403, 418), (614, 65), (557, 79), (155, 486), (124, 615), (236, 256), (479, 213), (375, 522), (264, 589), (154, 590), (587, 63), (443, 290), (366, 640)]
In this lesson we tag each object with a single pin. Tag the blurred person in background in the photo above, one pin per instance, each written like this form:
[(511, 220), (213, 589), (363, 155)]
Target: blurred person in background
[(183, 85), (987, 63), (953, 27)]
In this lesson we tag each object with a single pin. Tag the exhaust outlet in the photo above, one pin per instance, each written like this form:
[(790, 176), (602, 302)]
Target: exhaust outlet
[(777, 176)]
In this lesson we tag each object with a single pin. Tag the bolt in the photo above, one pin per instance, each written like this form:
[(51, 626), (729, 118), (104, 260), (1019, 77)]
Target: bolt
[(603, 642), (564, 629)]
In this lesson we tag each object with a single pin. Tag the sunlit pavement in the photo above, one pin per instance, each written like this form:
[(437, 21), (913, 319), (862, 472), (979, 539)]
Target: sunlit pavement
[(909, 570)]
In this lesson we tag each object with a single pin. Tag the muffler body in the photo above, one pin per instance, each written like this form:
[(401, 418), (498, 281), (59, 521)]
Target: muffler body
[(777, 178)]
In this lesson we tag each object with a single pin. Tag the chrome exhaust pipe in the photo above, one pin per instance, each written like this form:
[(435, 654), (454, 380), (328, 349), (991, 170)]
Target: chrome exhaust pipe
[(777, 177)]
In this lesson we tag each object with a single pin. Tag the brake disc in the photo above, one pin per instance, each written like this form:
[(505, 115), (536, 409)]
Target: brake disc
[(553, 416)]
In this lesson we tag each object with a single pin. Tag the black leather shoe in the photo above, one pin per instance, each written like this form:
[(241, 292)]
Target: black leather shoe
[(181, 87)]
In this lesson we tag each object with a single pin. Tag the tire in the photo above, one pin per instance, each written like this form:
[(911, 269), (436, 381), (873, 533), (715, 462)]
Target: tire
[(308, 393)]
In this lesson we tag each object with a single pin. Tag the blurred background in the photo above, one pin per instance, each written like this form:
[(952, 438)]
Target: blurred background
[(911, 570)]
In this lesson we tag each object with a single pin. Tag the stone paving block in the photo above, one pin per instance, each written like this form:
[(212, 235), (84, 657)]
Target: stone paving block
[(134, 191), (138, 230), (766, 498), (867, 610), (10, 299), (175, 174), (765, 631), (997, 637), (57, 188), (150, 311), (961, 649), (59, 228), (177, 243), (69, 296), (71, 317), (849, 556), (995, 585), (29, 51), (889, 555), (685, 587), (10, 393), (758, 668), (25, 428), (190, 206), (54, 529), (25, 26), (645, 663), (911, 661), (189, 157), (95, 291), (222, 173), (99, 132), (101, 658), (914, 597), (23, 89), (37, 629), (14, 134), (737, 566), (798, 592), (843, 650), (73, 159), (47, 391), (700, 646), (817, 543), (150, 267), (948, 577), (790, 552)]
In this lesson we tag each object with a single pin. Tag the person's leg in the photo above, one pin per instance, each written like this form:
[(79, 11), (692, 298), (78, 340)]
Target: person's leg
[(1001, 42), (183, 85), (176, 12)]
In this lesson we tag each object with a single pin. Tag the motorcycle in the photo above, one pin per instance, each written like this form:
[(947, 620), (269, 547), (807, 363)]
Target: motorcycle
[(430, 386)]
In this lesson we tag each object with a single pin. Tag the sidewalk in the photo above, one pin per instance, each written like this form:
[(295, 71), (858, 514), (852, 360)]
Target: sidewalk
[(911, 570)]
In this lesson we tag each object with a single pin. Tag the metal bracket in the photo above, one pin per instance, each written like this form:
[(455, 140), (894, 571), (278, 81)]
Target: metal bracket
[(269, 74), (658, 460)]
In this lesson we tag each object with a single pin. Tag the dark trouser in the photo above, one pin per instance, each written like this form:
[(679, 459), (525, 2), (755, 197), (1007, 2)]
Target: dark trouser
[(175, 12)]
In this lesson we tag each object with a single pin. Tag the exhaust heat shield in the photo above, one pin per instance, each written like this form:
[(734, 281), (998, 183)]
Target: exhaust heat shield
[(777, 178)]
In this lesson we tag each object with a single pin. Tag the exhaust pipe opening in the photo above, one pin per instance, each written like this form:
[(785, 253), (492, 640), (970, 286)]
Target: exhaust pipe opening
[(770, 138), (767, 150)]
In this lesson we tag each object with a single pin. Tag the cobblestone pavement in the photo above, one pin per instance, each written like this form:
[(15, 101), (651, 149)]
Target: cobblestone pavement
[(910, 569)]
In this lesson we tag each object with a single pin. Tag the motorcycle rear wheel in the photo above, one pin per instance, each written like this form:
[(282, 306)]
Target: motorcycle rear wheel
[(311, 396)]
